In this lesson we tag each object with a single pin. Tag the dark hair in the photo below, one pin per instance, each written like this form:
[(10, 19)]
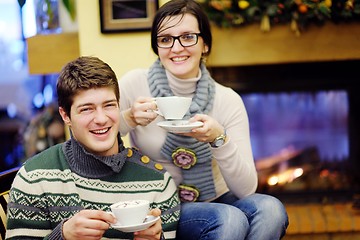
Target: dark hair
[(181, 7), (82, 74)]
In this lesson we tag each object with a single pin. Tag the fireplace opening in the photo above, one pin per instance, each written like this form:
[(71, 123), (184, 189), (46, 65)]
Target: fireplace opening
[(303, 125), (300, 141)]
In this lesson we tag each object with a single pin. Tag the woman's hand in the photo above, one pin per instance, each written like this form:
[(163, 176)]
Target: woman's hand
[(153, 232), (141, 112), (208, 132), (88, 225)]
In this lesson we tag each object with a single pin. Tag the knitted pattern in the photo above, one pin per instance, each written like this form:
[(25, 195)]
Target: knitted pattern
[(89, 165), (199, 176), (46, 192)]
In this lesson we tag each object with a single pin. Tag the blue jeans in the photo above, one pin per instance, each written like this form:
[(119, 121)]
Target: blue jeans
[(256, 217)]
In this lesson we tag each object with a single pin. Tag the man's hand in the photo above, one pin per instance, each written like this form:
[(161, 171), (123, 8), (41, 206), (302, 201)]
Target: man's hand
[(153, 232), (87, 224)]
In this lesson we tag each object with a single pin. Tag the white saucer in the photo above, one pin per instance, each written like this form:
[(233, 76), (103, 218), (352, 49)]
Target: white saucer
[(149, 220), (179, 126)]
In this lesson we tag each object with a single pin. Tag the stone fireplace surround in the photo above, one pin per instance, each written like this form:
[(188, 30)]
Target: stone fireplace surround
[(325, 220), (308, 76)]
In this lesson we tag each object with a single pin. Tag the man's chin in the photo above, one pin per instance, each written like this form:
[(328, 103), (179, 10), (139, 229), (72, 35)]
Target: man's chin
[(106, 148)]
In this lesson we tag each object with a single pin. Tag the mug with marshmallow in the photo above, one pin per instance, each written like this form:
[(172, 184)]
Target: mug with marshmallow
[(130, 212)]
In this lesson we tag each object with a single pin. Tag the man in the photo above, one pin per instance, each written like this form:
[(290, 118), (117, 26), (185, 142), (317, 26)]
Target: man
[(65, 191)]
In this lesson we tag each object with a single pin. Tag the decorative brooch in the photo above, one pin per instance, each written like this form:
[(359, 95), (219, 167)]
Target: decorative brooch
[(184, 158), (188, 193)]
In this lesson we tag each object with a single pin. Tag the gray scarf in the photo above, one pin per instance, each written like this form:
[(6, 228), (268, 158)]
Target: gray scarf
[(193, 157)]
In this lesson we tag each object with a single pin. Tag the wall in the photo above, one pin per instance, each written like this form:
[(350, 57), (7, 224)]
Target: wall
[(122, 51)]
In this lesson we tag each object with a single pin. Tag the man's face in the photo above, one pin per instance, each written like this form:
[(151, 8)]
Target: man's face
[(94, 120)]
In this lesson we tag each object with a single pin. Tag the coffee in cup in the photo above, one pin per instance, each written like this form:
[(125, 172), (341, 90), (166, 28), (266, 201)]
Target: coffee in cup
[(131, 212), (172, 107)]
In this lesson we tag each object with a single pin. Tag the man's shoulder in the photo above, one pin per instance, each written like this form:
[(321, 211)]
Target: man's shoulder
[(51, 151), (137, 158), (49, 158)]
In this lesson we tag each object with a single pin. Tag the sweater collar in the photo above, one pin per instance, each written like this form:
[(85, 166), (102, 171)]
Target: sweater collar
[(182, 87), (89, 165)]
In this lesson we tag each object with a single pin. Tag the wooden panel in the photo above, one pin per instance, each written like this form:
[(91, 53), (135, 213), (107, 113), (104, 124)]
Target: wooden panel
[(249, 46), (47, 54), (322, 218), (325, 236)]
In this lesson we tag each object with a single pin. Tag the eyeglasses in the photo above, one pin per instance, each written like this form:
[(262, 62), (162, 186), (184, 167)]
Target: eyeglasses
[(185, 40)]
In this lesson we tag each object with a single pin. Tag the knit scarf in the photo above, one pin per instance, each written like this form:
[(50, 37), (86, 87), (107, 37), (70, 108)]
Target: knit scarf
[(193, 157), (89, 165)]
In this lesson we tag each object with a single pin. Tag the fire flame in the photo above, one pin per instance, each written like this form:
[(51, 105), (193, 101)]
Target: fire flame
[(287, 176)]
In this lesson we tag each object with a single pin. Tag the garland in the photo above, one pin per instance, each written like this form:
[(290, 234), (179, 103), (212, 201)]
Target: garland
[(298, 13)]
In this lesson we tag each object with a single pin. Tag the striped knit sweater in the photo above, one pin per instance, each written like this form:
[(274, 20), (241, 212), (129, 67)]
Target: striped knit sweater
[(46, 192)]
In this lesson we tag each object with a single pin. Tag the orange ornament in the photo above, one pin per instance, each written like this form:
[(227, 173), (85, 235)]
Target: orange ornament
[(302, 8)]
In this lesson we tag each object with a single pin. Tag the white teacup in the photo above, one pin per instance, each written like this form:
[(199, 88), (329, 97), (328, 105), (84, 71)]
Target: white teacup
[(173, 107), (130, 212)]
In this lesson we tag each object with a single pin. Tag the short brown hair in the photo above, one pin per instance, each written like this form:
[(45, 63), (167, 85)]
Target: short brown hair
[(82, 74)]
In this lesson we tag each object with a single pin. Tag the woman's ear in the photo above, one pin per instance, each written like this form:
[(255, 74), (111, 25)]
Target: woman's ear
[(65, 117), (205, 50)]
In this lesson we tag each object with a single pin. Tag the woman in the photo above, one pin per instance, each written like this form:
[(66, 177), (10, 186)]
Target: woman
[(218, 191)]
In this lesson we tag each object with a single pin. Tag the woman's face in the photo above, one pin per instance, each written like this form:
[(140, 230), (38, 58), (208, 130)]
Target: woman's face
[(182, 62)]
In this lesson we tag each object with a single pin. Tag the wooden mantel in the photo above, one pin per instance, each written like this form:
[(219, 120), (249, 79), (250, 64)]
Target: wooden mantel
[(231, 47), (249, 46)]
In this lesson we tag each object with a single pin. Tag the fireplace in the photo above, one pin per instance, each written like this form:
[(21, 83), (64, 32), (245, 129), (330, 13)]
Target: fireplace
[(326, 163)]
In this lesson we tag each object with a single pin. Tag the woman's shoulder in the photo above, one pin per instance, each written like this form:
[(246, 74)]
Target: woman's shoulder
[(132, 80), (133, 84), (134, 74), (226, 93)]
